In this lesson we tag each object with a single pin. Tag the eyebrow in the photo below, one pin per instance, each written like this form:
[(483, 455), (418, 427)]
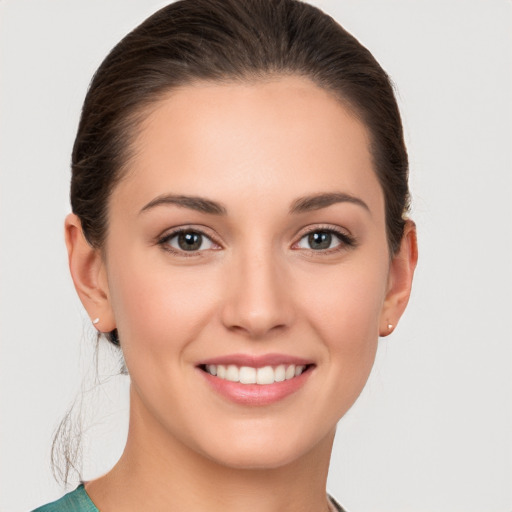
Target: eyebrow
[(323, 200), (300, 205), (199, 204)]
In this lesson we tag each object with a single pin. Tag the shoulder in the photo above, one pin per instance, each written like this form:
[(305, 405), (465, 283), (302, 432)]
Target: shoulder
[(75, 501)]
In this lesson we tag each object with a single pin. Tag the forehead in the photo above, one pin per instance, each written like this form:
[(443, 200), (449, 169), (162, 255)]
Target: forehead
[(248, 139)]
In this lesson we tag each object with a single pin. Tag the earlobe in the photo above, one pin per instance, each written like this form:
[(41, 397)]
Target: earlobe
[(89, 275), (401, 273)]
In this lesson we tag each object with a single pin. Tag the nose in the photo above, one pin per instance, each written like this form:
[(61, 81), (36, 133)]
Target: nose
[(259, 299)]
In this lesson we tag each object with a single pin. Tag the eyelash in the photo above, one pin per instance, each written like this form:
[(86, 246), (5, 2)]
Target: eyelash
[(346, 241), (164, 241)]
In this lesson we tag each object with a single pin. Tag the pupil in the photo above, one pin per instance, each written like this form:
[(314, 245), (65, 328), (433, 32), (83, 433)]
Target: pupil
[(190, 241), (320, 240)]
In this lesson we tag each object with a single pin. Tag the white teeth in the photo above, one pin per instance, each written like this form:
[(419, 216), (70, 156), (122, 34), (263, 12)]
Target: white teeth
[(290, 372), (250, 375), (232, 373), (265, 375), (280, 373), (247, 375)]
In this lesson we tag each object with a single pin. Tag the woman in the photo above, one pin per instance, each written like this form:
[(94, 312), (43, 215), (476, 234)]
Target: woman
[(239, 195)]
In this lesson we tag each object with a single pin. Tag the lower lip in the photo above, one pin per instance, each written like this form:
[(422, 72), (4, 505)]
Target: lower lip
[(256, 394)]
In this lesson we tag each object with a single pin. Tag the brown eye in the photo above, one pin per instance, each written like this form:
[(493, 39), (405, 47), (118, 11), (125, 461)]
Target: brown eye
[(189, 241), (319, 240), (326, 240)]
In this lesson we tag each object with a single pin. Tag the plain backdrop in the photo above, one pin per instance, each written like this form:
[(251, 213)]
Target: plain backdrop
[(432, 430)]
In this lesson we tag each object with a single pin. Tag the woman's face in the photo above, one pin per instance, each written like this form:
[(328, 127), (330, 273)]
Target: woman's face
[(248, 239)]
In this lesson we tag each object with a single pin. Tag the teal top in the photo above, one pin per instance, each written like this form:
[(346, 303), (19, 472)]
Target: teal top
[(75, 501), (79, 501)]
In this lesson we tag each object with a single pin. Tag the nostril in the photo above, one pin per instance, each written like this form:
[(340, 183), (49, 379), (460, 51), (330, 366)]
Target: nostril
[(257, 302)]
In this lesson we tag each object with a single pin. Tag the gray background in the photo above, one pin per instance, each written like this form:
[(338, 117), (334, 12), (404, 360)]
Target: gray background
[(432, 430)]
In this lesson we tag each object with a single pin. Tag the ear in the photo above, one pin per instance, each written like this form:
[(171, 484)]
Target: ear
[(89, 275), (401, 272)]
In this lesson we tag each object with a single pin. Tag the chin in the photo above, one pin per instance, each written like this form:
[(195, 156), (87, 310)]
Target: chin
[(263, 452), (255, 462), (258, 460)]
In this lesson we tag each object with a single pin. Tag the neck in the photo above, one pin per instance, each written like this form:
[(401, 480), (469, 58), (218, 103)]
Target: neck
[(157, 472)]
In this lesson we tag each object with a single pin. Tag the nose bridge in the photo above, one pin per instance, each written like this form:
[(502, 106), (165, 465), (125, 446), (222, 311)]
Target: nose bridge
[(258, 299)]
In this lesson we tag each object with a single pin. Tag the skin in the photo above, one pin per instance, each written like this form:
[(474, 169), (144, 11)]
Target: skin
[(257, 288)]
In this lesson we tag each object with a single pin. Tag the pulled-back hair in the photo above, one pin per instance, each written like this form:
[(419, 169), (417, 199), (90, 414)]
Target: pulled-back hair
[(226, 41)]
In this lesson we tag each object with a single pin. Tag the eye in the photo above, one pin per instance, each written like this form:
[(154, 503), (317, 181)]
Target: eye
[(324, 239), (187, 240)]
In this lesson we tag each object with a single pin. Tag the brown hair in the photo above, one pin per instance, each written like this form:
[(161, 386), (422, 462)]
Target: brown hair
[(229, 40)]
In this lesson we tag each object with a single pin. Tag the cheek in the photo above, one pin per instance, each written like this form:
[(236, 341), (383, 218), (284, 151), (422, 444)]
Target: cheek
[(345, 312), (158, 307), (348, 305)]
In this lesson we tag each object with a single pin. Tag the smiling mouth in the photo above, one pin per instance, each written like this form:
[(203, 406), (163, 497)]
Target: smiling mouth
[(264, 375)]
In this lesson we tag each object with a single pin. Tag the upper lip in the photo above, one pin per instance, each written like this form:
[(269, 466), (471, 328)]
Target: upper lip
[(256, 361)]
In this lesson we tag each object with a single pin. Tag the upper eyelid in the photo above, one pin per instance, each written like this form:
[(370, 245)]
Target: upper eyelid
[(171, 232), (323, 227), (164, 239), (347, 240)]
